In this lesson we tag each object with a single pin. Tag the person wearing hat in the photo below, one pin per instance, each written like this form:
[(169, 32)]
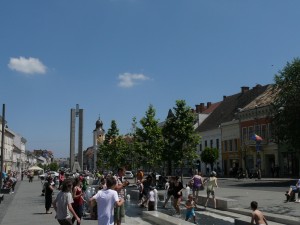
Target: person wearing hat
[(210, 190)]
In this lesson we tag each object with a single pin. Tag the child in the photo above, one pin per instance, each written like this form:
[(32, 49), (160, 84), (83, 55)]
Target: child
[(190, 208), (151, 199), (257, 215), (140, 187)]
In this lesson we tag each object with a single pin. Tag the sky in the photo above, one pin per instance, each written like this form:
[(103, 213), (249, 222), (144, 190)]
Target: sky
[(116, 57)]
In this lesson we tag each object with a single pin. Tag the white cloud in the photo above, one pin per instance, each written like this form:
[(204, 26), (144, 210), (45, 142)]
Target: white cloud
[(27, 66), (127, 80)]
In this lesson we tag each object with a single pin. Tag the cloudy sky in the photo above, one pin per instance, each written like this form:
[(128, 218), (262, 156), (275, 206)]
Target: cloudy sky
[(115, 57)]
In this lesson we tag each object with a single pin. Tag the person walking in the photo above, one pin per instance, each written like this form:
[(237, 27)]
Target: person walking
[(210, 190), (121, 183), (197, 182), (63, 204), (169, 189), (49, 188), (257, 216), (106, 200), (190, 206), (177, 193), (61, 178), (77, 194)]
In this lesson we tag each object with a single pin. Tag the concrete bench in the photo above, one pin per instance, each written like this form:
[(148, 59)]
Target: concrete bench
[(246, 221), (1, 197), (162, 218), (278, 218), (222, 203)]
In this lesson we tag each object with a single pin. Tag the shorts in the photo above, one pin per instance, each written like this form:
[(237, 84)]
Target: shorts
[(210, 192), (119, 212), (189, 214), (65, 221), (151, 205)]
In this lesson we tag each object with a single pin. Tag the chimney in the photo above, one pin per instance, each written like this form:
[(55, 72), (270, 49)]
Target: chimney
[(202, 107), (197, 108), (208, 105), (244, 89)]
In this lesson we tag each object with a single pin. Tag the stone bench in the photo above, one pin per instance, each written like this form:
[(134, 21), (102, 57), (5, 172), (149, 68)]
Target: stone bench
[(222, 203), (246, 221), (279, 219), (1, 197), (162, 218)]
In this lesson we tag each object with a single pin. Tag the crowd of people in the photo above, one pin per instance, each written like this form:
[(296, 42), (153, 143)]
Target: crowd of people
[(107, 203)]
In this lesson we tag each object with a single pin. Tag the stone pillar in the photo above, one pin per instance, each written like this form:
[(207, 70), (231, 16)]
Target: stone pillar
[(80, 134), (72, 138)]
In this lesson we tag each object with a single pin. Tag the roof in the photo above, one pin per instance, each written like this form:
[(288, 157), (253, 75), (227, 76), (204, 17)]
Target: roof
[(265, 99), (212, 107), (227, 109)]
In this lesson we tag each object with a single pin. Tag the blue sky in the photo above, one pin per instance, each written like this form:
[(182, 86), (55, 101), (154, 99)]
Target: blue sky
[(115, 57)]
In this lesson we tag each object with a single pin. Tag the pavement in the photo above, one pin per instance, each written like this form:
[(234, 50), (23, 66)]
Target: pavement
[(26, 205)]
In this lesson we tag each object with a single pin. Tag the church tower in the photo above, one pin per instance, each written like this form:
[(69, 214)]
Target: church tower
[(99, 136)]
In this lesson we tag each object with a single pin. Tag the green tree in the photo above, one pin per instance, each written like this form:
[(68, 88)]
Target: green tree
[(209, 156), (287, 104), (150, 139), (112, 152), (180, 137)]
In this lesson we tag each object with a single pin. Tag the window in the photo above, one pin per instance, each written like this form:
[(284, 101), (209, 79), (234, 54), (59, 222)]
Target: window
[(205, 143), (230, 145), (257, 129), (244, 133), (225, 146), (217, 144), (250, 133), (235, 146), (211, 143), (264, 131), (200, 147)]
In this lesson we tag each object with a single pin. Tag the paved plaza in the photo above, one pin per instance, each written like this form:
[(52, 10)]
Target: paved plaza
[(26, 205)]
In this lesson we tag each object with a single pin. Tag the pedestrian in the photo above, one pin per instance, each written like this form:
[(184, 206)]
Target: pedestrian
[(61, 178), (22, 174), (197, 182), (257, 216), (63, 204), (169, 190), (190, 206), (30, 176), (210, 190), (140, 188), (121, 183), (106, 200), (146, 188), (77, 194), (151, 199), (291, 193), (13, 182), (140, 175), (49, 188), (177, 193)]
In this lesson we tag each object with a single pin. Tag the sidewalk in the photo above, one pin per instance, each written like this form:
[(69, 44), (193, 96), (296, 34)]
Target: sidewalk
[(27, 207)]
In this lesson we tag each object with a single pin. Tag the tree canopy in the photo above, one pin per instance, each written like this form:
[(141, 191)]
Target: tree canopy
[(287, 104)]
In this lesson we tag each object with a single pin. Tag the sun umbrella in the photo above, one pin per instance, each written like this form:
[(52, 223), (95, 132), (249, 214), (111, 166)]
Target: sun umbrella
[(35, 168)]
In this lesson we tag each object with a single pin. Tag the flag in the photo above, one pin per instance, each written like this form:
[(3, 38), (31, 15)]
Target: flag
[(255, 137)]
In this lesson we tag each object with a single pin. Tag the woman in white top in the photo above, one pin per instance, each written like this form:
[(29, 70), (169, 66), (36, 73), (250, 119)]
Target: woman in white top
[(211, 183)]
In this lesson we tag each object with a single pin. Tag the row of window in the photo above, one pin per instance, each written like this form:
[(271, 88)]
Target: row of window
[(263, 130)]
